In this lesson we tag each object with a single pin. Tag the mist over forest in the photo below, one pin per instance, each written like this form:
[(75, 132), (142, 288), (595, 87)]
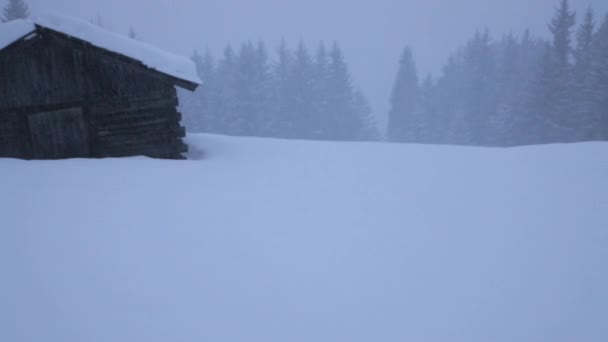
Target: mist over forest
[(504, 91)]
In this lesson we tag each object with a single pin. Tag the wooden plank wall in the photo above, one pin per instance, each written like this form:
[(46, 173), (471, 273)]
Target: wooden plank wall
[(39, 72), (59, 134), (147, 127), (14, 136)]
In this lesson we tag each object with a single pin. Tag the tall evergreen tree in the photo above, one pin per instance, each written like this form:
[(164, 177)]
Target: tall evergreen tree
[(368, 130), (251, 91), (509, 90), (584, 43), (480, 89), (280, 91), (227, 120), (15, 9), (263, 91), (599, 82), (561, 115), (343, 121), (451, 102), (532, 49), (404, 100), (561, 27), (132, 33), (538, 126), (246, 101), (553, 101), (535, 53), (300, 95), (582, 92), (426, 113), (321, 90)]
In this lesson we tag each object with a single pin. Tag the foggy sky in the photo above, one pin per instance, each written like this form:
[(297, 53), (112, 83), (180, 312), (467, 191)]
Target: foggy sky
[(372, 33)]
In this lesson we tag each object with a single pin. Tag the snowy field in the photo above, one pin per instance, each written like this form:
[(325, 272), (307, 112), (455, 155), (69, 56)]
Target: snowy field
[(288, 241)]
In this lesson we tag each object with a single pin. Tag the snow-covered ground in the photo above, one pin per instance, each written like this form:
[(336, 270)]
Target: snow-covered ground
[(275, 241)]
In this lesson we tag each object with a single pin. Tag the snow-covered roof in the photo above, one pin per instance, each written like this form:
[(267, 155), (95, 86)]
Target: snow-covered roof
[(152, 57), (14, 30)]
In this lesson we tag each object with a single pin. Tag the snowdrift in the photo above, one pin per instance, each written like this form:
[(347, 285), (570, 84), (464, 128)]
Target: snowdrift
[(269, 240)]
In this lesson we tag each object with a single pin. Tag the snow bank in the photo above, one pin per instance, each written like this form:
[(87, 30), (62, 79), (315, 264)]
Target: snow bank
[(269, 240), (152, 57)]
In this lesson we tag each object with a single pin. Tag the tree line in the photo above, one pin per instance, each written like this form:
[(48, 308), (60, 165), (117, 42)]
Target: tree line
[(295, 95), (514, 91)]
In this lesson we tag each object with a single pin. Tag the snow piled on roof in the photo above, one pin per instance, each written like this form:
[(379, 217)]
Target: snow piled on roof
[(152, 57), (273, 241), (14, 30)]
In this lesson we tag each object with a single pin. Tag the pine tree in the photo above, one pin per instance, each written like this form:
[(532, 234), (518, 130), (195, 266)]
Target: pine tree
[(535, 53), (226, 116), (342, 121), (279, 93), (584, 42), (321, 94), (368, 127), (263, 92), (582, 72), (467, 95), (404, 100), (552, 107), (15, 9), (532, 49), (517, 62), (251, 88), (244, 122), (480, 90), (536, 124), (561, 27), (345, 122), (132, 33), (599, 82), (426, 113), (501, 124), (452, 128), (300, 95), (561, 114)]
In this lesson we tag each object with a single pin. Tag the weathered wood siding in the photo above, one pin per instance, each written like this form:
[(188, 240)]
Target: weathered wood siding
[(137, 127), (127, 108), (60, 133), (14, 136)]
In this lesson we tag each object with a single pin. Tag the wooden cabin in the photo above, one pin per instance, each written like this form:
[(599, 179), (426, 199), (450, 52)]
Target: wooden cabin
[(69, 89)]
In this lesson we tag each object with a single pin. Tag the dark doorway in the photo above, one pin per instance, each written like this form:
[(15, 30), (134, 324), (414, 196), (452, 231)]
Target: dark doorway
[(59, 134)]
